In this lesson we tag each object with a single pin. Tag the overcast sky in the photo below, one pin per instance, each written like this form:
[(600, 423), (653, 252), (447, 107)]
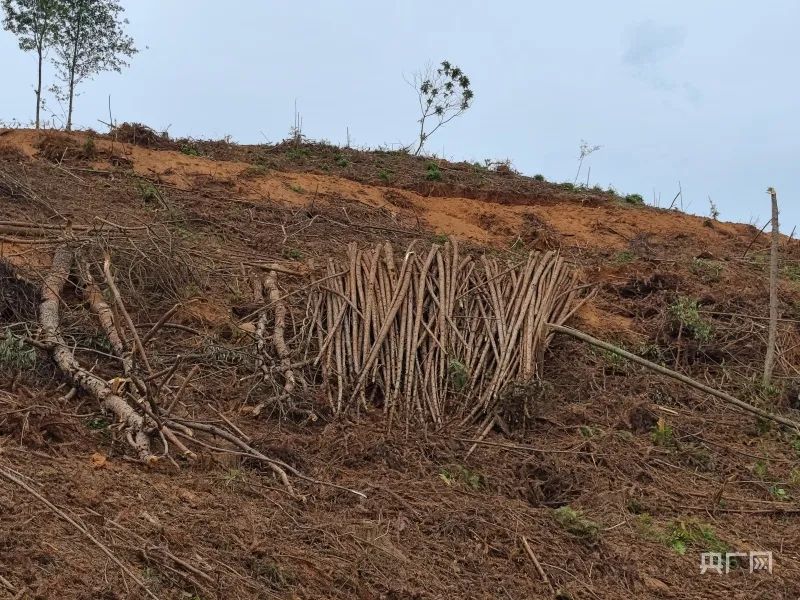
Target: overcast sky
[(705, 93)]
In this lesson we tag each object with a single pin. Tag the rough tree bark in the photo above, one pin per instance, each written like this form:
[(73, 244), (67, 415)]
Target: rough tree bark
[(769, 360), (49, 319)]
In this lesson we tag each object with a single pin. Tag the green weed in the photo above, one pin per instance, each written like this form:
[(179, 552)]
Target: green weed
[(341, 161), (432, 172), (292, 253), (623, 258), (459, 377), (681, 535), (15, 354), (463, 475), (662, 435), (190, 149), (707, 271), (577, 524), (634, 199), (538, 177), (384, 175), (685, 312)]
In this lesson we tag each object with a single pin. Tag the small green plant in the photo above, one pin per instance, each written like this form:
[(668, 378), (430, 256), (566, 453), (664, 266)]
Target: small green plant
[(662, 434), (341, 161), (539, 177), (708, 271), (779, 493), (794, 477), (297, 154), (791, 271), (96, 423), (297, 189), (635, 506), (233, 477), (713, 211), (254, 171), (15, 354), (384, 175), (463, 475), (623, 257), (577, 524), (89, 147), (570, 187), (685, 312), (432, 172), (292, 253), (681, 535), (459, 377), (761, 470), (634, 199), (148, 191), (588, 431), (190, 149), (440, 238)]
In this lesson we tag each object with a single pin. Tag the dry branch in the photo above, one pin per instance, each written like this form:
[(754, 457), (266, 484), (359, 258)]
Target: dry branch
[(675, 375)]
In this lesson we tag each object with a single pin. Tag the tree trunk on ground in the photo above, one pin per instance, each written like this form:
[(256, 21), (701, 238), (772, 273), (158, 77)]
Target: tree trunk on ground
[(769, 361), (134, 424)]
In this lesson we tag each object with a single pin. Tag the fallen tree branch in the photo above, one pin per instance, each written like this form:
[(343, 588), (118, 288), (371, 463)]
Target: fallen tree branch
[(49, 319), (675, 375)]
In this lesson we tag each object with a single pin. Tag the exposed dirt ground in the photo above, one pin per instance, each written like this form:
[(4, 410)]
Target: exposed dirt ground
[(617, 483)]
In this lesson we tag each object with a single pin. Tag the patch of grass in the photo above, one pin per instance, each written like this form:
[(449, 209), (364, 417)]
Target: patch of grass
[(233, 477), (588, 432), (190, 149), (463, 475), (384, 175), (341, 161), (570, 187), (15, 354), (686, 313), (576, 523), (148, 191), (681, 535), (794, 477), (791, 271), (634, 199), (779, 493), (254, 171), (440, 238), (708, 271), (623, 257), (298, 154), (662, 434), (296, 188), (432, 172), (761, 470), (292, 253)]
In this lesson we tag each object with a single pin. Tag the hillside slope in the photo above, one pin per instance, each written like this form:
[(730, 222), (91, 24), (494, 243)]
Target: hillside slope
[(617, 480)]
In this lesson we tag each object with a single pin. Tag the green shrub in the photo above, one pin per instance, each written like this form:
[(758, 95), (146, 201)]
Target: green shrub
[(190, 149), (539, 177), (15, 354), (432, 172), (577, 524), (685, 312), (635, 199)]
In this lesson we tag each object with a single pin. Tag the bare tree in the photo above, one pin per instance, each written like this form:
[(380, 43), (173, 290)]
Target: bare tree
[(769, 361), (585, 150), (36, 25), (91, 40), (444, 94)]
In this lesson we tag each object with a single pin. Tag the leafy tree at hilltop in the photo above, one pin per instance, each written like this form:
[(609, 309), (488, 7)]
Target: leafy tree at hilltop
[(444, 94), (91, 39), (36, 25)]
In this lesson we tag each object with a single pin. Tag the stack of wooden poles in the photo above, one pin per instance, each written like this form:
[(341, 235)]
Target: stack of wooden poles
[(434, 334)]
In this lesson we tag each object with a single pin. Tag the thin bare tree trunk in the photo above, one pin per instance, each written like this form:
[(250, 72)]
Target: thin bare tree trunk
[(769, 361)]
